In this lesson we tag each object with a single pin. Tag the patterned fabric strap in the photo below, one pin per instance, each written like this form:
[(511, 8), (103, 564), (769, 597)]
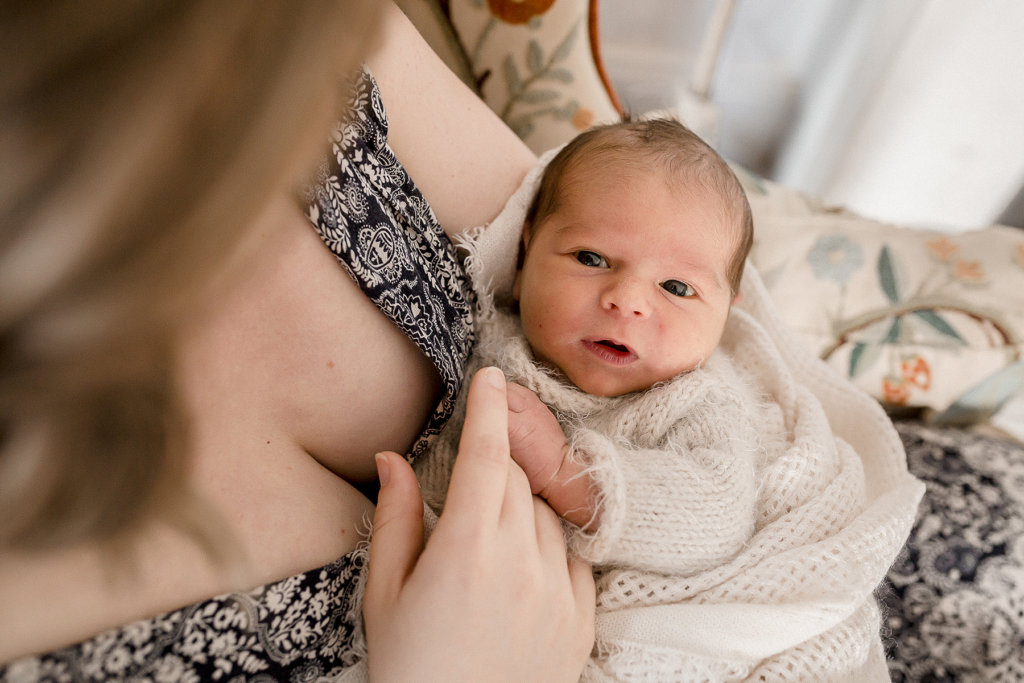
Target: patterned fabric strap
[(371, 215)]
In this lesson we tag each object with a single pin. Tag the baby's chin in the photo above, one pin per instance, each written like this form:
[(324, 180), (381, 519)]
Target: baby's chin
[(612, 386), (609, 387)]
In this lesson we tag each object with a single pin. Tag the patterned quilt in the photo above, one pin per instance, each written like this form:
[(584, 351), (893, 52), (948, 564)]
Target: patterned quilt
[(954, 600)]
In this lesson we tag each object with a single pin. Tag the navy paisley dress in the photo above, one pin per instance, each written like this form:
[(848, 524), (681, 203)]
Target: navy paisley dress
[(306, 627)]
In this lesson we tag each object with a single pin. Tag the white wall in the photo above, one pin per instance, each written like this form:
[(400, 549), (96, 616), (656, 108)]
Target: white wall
[(906, 110)]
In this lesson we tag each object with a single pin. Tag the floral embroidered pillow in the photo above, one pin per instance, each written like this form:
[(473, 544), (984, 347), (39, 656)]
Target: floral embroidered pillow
[(535, 63), (916, 318)]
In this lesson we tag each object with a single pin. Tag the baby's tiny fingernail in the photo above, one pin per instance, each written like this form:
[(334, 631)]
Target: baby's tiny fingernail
[(494, 377)]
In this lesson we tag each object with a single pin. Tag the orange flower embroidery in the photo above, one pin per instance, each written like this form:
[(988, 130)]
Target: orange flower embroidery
[(518, 11), (895, 391), (915, 371), (582, 119), (942, 248), (1018, 254), (969, 271)]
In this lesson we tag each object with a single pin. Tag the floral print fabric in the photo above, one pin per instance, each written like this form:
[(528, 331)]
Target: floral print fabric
[(306, 627), (953, 603), (373, 218), (298, 629)]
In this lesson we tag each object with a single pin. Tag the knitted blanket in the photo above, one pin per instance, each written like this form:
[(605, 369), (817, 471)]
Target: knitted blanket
[(833, 505)]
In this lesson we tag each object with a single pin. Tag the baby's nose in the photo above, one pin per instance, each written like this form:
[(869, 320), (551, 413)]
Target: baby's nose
[(626, 297)]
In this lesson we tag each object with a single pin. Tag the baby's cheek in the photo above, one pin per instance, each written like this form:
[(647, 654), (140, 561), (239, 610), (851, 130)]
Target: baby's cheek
[(678, 365)]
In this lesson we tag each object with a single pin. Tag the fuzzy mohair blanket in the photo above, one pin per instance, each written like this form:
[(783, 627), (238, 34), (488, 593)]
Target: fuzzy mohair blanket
[(833, 505)]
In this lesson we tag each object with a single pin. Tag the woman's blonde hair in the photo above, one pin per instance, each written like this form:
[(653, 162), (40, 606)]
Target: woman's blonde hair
[(138, 138)]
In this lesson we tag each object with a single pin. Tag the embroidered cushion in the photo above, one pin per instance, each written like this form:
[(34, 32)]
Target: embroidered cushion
[(535, 62), (918, 319)]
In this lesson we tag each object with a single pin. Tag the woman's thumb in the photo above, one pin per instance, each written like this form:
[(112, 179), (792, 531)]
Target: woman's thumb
[(397, 539)]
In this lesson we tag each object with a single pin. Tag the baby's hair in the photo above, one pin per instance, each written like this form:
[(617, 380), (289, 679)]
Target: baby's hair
[(667, 142)]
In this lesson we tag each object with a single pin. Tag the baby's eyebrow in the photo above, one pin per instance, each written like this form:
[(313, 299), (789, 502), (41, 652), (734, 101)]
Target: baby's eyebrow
[(704, 274), (567, 227)]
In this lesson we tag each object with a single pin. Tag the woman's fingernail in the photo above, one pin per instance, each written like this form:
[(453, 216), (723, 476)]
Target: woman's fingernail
[(495, 377), (383, 469)]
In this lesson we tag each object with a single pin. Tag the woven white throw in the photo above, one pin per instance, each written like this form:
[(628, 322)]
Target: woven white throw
[(835, 504)]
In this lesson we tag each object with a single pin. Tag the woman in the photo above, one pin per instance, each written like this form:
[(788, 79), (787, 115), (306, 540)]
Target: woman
[(193, 390)]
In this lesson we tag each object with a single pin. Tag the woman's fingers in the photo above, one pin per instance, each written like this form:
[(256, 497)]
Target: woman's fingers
[(581, 575), (518, 512), (480, 476), (492, 596), (397, 528), (584, 589)]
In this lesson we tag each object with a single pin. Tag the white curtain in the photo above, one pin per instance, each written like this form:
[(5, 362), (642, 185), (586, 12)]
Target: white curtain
[(909, 111), (927, 122)]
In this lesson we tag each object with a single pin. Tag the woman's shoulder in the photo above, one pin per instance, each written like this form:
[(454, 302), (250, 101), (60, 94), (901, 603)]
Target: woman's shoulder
[(299, 628)]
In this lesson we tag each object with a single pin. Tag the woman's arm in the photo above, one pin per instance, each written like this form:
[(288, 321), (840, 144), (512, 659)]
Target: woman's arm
[(463, 158)]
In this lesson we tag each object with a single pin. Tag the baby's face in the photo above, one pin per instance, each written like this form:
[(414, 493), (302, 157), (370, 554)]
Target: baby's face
[(625, 285)]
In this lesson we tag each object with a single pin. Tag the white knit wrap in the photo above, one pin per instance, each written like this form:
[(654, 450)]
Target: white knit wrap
[(748, 509)]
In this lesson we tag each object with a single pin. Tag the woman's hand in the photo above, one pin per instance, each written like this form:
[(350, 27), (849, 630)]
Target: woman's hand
[(492, 596)]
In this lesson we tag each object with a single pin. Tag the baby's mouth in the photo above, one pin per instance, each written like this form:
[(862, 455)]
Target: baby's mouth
[(611, 351), (612, 345)]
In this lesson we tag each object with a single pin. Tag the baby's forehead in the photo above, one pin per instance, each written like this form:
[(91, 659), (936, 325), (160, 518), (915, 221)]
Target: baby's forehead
[(679, 184)]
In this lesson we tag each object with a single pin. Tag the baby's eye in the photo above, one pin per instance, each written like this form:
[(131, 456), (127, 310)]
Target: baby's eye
[(591, 259), (677, 288)]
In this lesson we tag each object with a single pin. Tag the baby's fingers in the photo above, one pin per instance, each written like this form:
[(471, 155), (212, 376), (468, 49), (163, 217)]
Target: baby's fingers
[(521, 399)]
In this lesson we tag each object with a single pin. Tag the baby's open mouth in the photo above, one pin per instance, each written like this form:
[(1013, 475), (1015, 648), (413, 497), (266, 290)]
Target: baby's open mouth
[(612, 345), (611, 351)]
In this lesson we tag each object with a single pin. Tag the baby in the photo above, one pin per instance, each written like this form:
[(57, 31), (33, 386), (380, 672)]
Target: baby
[(739, 501), (634, 251), (621, 412)]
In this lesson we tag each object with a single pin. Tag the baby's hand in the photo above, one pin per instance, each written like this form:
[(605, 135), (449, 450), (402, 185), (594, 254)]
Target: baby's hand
[(540, 448)]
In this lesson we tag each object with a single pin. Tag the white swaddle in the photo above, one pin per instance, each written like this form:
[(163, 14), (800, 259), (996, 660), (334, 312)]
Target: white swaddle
[(836, 504)]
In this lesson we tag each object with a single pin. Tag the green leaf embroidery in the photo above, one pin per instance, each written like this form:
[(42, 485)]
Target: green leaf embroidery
[(895, 332), (568, 111), (940, 325), (538, 96), (981, 401), (887, 275), (855, 356), (565, 47), (862, 357), (559, 74), (515, 83), (534, 56)]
